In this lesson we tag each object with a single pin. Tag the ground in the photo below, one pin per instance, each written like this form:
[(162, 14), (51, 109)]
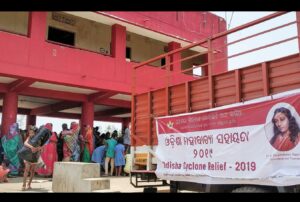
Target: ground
[(44, 185)]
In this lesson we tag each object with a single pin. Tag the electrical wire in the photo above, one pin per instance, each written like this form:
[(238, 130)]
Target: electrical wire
[(230, 20)]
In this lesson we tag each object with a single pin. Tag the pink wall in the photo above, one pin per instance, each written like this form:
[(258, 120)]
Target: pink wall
[(34, 58), (185, 25)]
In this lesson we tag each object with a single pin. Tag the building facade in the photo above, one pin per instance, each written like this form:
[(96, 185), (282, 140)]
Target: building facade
[(79, 64)]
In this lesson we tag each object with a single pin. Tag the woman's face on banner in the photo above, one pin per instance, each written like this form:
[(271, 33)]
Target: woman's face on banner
[(281, 122)]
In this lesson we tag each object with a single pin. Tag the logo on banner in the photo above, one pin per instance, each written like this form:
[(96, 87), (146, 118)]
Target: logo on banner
[(170, 124)]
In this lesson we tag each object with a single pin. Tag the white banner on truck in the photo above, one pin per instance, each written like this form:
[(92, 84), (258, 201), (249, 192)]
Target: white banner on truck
[(254, 143)]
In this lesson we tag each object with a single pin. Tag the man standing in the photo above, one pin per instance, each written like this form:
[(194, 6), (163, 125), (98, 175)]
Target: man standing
[(126, 139)]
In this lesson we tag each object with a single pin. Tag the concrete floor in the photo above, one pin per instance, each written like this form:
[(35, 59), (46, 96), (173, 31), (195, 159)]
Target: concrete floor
[(44, 185)]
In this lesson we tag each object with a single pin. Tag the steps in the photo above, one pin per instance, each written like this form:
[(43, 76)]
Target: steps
[(78, 177), (92, 184)]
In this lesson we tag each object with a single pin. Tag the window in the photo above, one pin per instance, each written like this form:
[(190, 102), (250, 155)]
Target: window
[(61, 36), (128, 53)]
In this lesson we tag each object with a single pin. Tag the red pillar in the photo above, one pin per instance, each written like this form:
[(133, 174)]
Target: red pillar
[(31, 120), (118, 42), (9, 113), (87, 115), (175, 57), (37, 27), (118, 50)]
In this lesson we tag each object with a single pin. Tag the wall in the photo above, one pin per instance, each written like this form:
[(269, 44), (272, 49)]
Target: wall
[(89, 35), (16, 22), (144, 48)]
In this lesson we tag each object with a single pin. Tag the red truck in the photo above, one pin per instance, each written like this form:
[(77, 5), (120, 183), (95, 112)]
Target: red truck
[(219, 132)]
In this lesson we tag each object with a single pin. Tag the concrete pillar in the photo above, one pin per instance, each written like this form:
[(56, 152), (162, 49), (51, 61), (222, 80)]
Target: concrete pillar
[(37, 26), (9, 113), (87, 115), (118, 42), (31, 120), (175, 57)]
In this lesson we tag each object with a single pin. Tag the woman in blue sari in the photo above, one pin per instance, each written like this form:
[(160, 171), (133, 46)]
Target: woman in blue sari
[(11, 143)]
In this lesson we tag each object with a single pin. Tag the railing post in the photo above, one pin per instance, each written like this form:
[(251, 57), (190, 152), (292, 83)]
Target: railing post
[(133, 93), (187, 97), (265, 78), (168, 70), (298, 28), (167, 101), (210, 76), (238, 93), (149, 138)]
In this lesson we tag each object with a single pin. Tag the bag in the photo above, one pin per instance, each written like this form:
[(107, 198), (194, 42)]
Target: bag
[(128, 164), (42, 136), (26, 154)]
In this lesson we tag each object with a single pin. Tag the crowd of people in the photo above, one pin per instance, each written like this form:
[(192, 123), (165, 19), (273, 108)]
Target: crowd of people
[(71, 144)]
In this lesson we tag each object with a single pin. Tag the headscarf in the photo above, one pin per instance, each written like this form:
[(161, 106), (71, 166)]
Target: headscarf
[(13, 131), (49, 126)]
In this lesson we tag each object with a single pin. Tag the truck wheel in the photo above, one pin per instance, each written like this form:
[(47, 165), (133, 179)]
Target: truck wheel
[(250, 189), (173, 187)]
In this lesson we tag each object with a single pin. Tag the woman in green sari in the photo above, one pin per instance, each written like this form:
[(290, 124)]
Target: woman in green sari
[(11, 143)]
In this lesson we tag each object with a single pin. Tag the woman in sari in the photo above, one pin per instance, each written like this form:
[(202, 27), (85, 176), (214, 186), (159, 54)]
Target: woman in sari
[(11, 143), (286, 130), (71, 148), (49, 154), (87, 144)]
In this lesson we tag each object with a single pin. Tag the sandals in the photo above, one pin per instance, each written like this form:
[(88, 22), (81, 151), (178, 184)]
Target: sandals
[(23, 188)]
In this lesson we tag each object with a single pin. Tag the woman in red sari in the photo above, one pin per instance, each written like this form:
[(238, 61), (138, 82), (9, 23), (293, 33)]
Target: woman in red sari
[(286, 130), (49, 154), (87, 146)]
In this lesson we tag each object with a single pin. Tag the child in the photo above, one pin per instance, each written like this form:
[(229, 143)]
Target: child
[(119, 156), (110, 154), (30, 166), (4, 171)]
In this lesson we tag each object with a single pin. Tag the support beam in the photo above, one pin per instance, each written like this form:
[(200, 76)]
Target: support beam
[(64, 115), (112, 112), (54, 94), (109, 119), (44, 110), (19, 85), (100, 95), (22, 111), (114, 103), (3, 88)]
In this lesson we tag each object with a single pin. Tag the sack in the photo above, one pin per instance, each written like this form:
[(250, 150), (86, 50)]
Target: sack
[(128, 164), (42, 136), (26, 154)]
